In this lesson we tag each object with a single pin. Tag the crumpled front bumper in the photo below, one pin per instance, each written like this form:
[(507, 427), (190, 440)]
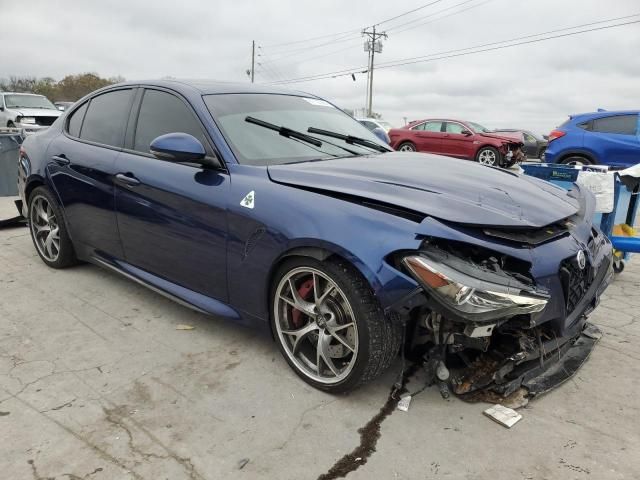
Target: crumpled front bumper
[(541, 368)]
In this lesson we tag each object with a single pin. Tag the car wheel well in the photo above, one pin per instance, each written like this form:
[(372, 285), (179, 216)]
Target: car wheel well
[(30, 188), (317, 253)]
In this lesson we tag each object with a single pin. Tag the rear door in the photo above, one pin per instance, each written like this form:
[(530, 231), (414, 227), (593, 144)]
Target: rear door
[(171, 216), (454, 143), (428, 136), (81, 167), (615, 138)]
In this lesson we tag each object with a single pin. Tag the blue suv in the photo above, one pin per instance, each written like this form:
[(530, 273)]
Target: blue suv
[(606, 138)]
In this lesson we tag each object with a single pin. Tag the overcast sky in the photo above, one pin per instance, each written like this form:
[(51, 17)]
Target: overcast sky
[(532, 86)]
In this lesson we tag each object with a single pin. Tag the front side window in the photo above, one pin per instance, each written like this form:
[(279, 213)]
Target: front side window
[(256, 145), (28, 101), (620, 124), (455, 128), (162, 113), (106, 118)]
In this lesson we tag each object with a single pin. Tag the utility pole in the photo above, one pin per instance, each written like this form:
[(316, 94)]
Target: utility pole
[(253, 59), (373, 45)]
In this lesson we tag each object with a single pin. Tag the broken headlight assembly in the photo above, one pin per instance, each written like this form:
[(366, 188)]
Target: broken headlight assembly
[(470, 291)]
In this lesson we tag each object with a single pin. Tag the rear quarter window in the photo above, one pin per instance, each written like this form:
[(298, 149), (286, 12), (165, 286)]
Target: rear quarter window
[(75, 121)]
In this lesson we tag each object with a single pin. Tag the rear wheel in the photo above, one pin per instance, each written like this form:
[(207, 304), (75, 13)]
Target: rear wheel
[(576, 160), (48, 230), (407, 147), (329, 326), (489, 156)]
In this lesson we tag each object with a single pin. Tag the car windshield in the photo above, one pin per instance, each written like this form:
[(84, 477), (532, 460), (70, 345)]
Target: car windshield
[(256, 145), (28, 101), (478, 128), (384, 124)]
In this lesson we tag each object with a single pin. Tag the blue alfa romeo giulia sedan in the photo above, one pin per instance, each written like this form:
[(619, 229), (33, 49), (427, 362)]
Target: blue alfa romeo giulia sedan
[(275, 208)]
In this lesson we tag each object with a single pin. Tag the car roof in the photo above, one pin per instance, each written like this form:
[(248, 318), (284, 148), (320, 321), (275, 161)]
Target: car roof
[(212, 87), (22, 93), (603, 113)]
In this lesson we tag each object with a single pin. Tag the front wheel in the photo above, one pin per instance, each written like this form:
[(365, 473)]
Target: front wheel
[(489, 156), (329, 326), (576, 161), (407, 147)]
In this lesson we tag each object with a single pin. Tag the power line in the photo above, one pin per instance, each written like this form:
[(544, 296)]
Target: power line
[(407, 13), (416, 25), (432, 14), (475, 49)]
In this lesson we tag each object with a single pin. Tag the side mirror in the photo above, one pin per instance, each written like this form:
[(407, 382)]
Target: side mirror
[(466, 133), (180, 147), (1, 108)]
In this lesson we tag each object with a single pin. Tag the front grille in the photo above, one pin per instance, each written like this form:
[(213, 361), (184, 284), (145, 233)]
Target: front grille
[(575, 282), (45, 121)]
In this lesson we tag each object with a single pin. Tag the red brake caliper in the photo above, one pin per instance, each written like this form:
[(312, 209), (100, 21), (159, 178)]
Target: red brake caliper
[(304, 291)]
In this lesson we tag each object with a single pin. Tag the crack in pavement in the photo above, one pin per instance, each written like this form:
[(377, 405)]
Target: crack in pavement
[(116, 417)]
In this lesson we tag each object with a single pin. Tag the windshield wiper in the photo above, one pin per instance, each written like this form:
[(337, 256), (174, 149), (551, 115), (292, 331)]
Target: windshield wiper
[(350, 139), (284, 131)]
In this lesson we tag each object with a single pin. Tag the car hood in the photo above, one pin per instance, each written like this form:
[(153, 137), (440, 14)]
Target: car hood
[(445, 188), (37, 112), (509, 136)]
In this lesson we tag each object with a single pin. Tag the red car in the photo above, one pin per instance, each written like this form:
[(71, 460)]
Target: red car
[(456, 138)]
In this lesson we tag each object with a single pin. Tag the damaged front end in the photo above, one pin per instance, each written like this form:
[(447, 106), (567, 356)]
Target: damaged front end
[(481, 323), (512, 153)]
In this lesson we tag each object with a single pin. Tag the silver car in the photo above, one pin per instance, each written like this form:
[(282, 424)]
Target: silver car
[(27, 111)]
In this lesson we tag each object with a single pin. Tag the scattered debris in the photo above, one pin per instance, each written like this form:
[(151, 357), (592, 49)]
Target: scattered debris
[(403, 404), (183, 326), (517, 399), (243, 463), (506, 417)]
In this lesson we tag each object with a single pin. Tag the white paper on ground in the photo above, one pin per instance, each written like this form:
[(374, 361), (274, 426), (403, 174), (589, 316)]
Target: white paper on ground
[(503, 415), (404, 402), (602, 186)]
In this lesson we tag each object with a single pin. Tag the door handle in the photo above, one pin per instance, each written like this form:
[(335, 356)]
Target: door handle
[(127, 179), (61, 159)]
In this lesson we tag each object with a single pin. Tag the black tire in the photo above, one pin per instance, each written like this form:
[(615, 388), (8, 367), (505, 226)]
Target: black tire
[(618, 267), (576, 160), (66, 256), (407, 147), (489, 151), (379, 338), (10, 124)]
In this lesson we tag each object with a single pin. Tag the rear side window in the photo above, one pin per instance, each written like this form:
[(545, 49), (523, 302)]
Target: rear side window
[(621, 124), (106, 118), (75, 122), (162, 113), (429, 127)]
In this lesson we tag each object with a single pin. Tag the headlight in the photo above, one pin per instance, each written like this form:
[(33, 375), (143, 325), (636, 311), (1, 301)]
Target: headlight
[(31, 120), (474, 294)]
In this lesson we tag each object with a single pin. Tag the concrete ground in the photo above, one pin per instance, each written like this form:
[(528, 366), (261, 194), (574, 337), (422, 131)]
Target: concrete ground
[(97, 383)]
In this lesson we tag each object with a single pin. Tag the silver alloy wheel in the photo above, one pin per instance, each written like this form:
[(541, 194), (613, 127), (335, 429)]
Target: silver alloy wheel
[(487, 157), (407, 147), (44, 228), (316, 325)]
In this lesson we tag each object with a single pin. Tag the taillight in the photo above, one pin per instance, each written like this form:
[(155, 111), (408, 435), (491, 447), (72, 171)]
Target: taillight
[(556, 134)]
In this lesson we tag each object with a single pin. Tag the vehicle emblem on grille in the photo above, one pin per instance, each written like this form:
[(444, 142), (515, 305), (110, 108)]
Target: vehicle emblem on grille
[(249, 200), (581, 259)]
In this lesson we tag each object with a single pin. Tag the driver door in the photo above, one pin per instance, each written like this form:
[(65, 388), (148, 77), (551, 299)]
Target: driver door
[(428, 136), (171, 216)]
